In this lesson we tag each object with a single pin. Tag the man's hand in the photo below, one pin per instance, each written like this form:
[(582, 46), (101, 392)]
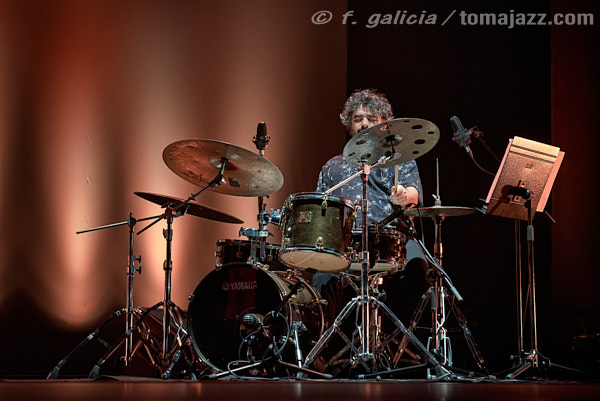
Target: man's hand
[(403, 196)]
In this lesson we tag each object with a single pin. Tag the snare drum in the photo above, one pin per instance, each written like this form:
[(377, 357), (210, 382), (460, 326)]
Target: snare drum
[(317, 232), (387, 250), (236, 250)]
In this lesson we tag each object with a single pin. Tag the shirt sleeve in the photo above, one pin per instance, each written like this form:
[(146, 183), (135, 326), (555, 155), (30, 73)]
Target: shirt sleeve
[(321, 186), (408, 176)]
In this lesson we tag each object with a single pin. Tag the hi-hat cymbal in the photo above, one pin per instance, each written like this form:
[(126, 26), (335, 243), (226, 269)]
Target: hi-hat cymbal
[(439, 211), (193, 208), (403, 139), (200, 160)]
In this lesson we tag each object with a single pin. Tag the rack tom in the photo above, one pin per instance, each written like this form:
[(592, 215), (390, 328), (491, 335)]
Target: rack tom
[(317, 232)]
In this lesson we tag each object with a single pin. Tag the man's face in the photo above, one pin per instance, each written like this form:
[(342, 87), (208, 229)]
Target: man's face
[(363, 118)]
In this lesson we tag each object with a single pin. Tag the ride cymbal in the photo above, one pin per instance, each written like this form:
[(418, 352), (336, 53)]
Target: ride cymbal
[(403, 139), (192, 207), (246, 173)]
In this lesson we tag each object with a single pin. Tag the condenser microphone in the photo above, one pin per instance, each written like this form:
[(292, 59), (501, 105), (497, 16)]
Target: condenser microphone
[(462, 136), (261, 140)]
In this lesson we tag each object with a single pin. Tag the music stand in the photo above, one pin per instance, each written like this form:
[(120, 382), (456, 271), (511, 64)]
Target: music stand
[(521, 187), (528, 167)]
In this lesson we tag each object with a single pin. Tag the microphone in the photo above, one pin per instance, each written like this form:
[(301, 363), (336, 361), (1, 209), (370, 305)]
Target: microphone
[(462, 136), (251, 321), (261, 140)]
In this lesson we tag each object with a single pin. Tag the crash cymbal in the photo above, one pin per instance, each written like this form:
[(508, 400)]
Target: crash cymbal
[(200, 160), (439, 211), (193, 208), (409, 138)]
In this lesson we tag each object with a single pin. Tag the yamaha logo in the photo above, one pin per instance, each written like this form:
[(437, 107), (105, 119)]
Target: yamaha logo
[(240, 286)]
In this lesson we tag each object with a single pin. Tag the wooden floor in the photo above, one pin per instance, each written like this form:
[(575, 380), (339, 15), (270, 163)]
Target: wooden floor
[(127, 388)]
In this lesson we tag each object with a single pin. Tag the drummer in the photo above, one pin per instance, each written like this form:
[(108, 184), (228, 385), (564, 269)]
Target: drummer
[(364, 109)]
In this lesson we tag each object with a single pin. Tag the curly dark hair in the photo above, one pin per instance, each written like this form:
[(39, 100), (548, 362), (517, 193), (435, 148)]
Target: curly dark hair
[(372, 99)]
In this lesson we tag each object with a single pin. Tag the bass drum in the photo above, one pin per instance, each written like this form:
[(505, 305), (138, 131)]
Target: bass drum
[(229, 299)]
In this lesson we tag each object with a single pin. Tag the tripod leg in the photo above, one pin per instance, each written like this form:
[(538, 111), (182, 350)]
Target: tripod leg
[(318, 347), (413, 324), (93, 335), (305, 370), (439, 369), (524, 366), (181, 340), (298, 351), (233, 371), (462, 321), (175, 358), (95, 372)]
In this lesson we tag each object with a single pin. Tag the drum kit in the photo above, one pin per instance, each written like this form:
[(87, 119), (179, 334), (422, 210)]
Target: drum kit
[(257, 312)]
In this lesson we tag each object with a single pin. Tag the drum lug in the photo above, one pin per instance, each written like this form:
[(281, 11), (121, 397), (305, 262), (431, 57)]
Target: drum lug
[(324, 203), (319, 243), (286, 241)]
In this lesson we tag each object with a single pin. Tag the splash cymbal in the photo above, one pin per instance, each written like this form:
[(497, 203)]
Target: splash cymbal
[(192, 207)]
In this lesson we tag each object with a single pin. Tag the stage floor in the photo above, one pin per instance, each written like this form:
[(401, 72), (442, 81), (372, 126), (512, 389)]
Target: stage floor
[(127, 388)]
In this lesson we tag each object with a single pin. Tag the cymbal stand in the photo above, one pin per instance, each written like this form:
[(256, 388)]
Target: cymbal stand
[(441, 290), (170, 214), (370, 348)]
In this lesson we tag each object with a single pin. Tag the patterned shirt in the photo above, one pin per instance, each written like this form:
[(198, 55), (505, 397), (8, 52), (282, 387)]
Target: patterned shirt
[(380, 182)]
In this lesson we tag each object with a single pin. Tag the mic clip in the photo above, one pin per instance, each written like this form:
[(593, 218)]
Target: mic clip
[(463, 137)]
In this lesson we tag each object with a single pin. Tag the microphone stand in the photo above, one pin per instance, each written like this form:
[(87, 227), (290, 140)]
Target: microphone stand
[(273, 354), (462, 138), (261, 140), (129, 310), (534, 359)]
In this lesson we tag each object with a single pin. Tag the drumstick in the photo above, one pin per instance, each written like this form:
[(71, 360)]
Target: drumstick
[(396, 176)]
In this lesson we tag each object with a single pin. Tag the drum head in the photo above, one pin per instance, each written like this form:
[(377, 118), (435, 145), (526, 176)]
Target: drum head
[(219, 303)]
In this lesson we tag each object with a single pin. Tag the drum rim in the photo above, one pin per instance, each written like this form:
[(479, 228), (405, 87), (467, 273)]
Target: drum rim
[(313, 249), (385, 230), (320, 195), (243, 241)]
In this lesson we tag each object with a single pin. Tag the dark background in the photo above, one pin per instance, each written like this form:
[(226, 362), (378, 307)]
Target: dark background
[(535, 82)]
